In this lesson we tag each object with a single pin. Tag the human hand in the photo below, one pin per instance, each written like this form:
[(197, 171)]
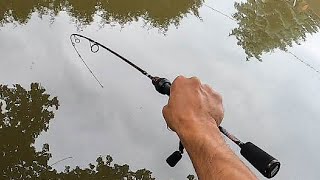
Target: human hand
[(192, 106)]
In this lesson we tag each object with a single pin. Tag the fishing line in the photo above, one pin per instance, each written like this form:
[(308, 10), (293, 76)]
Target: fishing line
[(262, 161), (298, 58), (93, 44), (305, 63), (61, 160), (220, 12), (77, 40)]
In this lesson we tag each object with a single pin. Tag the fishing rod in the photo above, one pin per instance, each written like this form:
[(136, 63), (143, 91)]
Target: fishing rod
[(262, 161)]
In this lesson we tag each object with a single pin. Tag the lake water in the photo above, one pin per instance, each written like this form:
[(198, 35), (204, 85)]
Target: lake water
[(262, 56)]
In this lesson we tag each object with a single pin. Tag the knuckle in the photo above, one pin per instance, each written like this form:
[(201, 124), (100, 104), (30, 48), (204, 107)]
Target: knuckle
[(208, 88), (214, 93), (216, 96), (219, 97), (179, 78), (195, 80)]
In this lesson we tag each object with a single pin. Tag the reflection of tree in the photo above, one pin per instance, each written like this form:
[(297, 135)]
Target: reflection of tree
[(24, 114), (314, 5), (105, 170), (159, 14), (265, 25)]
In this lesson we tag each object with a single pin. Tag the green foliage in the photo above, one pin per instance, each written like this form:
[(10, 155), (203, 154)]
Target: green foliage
[(266, 25), (157, 14), (24, 115), (102, 170)]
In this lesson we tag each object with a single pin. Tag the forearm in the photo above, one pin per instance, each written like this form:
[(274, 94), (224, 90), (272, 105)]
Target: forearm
[(211, 156)]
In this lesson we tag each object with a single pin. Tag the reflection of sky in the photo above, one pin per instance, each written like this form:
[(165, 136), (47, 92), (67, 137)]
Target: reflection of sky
[(272, 103)]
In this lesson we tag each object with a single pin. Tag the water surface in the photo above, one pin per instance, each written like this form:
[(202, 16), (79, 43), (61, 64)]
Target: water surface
[(273, 103)]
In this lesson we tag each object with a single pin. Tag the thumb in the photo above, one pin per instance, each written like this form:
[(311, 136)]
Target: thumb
[(166, 116), (165, 112)]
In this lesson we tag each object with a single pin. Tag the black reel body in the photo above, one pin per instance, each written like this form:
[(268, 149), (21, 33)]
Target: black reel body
[(267, 165)]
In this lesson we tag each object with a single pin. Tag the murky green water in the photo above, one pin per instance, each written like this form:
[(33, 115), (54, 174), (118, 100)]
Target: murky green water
[(273, 103)]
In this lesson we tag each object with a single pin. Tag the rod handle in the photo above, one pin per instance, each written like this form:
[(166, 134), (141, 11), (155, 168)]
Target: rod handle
[(262, 161)]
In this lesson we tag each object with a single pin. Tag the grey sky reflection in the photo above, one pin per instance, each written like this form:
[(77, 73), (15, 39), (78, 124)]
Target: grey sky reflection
[(278, 95)]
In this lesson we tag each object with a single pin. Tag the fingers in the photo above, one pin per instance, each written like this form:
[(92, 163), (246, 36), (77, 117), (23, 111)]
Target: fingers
[(181, 80), (207, 87), (178, 82), (195, 80), (212, 92)]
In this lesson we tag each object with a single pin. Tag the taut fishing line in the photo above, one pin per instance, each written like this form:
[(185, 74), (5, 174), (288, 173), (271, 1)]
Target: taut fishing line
[(299, 59)]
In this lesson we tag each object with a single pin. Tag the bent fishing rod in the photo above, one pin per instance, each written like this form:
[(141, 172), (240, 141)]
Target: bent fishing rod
[(267, 165)]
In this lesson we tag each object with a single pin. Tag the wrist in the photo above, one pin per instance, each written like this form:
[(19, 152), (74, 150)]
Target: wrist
[(197, 126), (198, 135)]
